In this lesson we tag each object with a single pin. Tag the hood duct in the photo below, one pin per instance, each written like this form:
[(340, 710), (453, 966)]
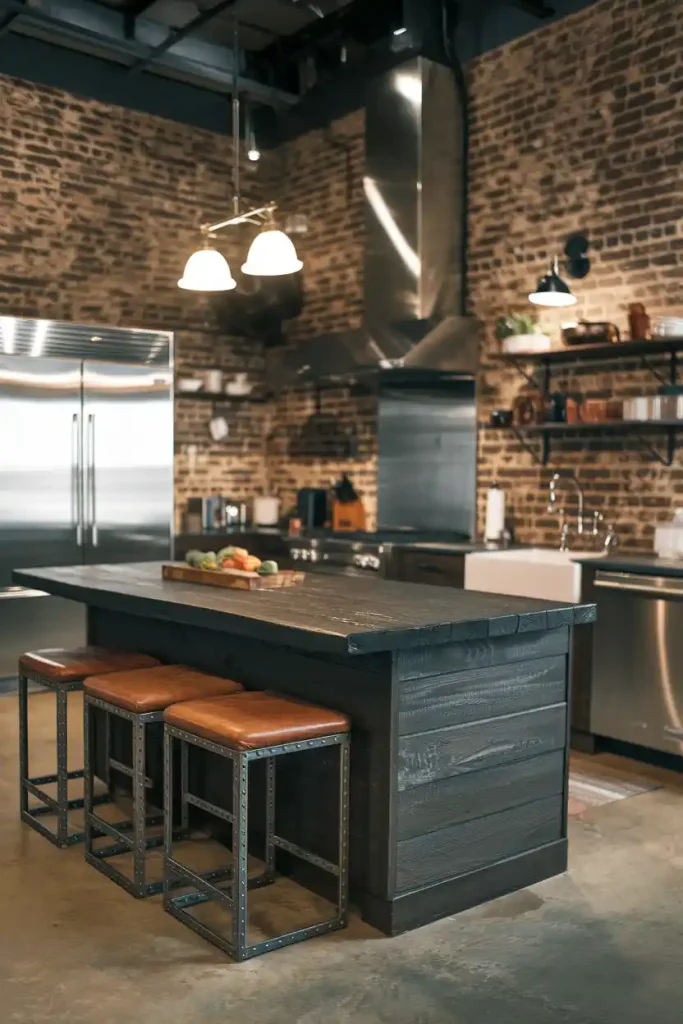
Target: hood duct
[(414, 188)]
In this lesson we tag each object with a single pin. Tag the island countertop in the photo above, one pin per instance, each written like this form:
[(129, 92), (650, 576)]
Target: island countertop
[(337, 614)]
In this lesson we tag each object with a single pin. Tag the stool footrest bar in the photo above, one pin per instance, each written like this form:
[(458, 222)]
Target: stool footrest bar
[(204, 805), (312, 858)]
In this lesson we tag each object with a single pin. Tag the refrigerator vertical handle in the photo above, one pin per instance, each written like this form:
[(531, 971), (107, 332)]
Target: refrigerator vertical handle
[(91, 480), (76, 483)]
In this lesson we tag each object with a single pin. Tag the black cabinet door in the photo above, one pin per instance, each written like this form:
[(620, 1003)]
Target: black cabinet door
[(427, 567)]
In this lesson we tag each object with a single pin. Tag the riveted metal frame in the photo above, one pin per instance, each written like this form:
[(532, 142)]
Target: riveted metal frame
[(130, 835), (236, 898), (62, 805)]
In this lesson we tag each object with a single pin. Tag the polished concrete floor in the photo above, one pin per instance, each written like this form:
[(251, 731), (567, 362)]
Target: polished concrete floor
[(601, 944)]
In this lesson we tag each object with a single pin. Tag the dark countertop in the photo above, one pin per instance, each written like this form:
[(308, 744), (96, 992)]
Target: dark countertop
[(332, 613), (645, 564)]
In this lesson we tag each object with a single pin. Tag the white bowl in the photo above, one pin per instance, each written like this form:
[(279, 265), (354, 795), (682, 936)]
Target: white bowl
[(189, 385)]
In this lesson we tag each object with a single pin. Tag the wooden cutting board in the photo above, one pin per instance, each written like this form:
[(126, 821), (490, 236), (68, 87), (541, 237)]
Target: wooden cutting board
[(235, 579)]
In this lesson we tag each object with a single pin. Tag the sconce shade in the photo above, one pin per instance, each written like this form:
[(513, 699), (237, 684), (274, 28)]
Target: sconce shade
[(551, 290)]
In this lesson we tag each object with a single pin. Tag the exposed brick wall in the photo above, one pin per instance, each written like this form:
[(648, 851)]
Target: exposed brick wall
[(580, 126), (100, 208), (321, 176)]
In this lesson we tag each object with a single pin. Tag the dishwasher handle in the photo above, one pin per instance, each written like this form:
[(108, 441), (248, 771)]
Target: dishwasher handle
[(635, 583)]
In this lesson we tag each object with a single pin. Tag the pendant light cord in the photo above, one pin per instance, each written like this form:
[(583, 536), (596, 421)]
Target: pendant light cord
[(235, 120)]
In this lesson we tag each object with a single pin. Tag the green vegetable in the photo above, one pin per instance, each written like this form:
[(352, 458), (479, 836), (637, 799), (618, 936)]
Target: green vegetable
[(209, 561), (226, 552), (194, 557), (268, 569)]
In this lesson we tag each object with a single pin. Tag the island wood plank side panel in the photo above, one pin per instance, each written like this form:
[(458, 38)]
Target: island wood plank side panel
[(456, 657), (474, 844), (481, 765), (456, 698), (306, 783), (442, 753), (447, 802)]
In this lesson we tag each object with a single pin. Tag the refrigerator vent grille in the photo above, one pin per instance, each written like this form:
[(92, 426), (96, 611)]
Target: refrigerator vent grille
[(54, 339)]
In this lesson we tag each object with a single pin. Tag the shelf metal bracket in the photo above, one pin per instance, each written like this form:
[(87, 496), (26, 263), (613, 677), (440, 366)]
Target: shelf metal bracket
[(667, 458), (540, 460), (530, 378)]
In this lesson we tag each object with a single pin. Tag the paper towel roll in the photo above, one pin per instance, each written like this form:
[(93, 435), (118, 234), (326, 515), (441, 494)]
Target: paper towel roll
[(495, 513)]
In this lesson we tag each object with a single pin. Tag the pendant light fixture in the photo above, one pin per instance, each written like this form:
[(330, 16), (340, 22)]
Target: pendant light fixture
[(272, 253), (207, 270), (551, 290)]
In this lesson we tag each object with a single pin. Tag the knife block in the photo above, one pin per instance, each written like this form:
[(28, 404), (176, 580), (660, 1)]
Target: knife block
[(349, 515)]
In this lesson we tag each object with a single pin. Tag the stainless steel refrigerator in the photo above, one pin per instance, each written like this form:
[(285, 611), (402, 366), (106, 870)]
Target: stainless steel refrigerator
[(86, 464)]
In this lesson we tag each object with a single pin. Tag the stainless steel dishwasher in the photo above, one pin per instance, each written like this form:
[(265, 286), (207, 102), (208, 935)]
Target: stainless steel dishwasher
[(637, 691)]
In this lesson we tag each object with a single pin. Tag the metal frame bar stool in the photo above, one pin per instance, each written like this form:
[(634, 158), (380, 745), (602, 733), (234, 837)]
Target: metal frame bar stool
[(238, 738), (60, 671), (138, 697)]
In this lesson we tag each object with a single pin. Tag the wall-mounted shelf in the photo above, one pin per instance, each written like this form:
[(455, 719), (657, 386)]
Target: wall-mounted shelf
[(219, 396), (637, 428), (667, 348)]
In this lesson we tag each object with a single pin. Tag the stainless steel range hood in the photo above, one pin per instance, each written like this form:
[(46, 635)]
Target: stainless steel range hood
[(414, 229)]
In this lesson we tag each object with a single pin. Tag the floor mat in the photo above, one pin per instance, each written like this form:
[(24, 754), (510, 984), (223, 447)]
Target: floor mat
[(599, 785)]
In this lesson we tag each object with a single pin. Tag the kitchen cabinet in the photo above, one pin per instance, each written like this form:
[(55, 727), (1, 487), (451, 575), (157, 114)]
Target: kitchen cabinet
[(415, 566)]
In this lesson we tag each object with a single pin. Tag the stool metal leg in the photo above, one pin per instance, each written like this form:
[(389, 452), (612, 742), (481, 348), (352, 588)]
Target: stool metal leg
[(270, 817), (240, 832), (23, 744), (139, 805), (88, 778), (62, 768), (184, 786), (343, 898)]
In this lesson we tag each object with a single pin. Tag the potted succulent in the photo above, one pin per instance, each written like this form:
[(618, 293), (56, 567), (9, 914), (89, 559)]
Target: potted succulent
[(519, 332)]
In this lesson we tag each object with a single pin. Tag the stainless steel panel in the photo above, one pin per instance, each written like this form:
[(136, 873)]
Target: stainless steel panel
[(426, 473), (28, 621), (637, 690), (40, 408), (39, 339), (128, 476)]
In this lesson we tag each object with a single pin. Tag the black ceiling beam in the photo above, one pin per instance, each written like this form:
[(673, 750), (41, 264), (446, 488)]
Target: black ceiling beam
[(131, 13), (180, 33), (536, 7)]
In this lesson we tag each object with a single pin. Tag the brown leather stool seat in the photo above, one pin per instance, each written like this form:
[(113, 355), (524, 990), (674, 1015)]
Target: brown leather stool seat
[(255, 720), (153, 689), (68, 666)]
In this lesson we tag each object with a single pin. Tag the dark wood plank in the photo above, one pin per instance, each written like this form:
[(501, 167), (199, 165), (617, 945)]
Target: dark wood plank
[(441, 753), (421, 906), (446, 802), (475, 844), (340, 614), (479, 653), (457, 697)]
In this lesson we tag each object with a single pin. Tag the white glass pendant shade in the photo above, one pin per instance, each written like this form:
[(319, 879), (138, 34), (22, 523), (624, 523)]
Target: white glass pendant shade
[(207, 271), (272, 254)]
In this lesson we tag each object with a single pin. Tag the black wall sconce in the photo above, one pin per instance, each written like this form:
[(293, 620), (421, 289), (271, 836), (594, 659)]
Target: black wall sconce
[(551, 289)]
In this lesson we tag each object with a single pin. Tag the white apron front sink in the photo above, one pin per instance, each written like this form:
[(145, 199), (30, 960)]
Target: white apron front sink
[(544, 573)]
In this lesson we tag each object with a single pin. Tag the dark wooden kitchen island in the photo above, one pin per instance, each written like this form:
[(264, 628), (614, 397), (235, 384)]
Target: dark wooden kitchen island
[(458, 702)]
